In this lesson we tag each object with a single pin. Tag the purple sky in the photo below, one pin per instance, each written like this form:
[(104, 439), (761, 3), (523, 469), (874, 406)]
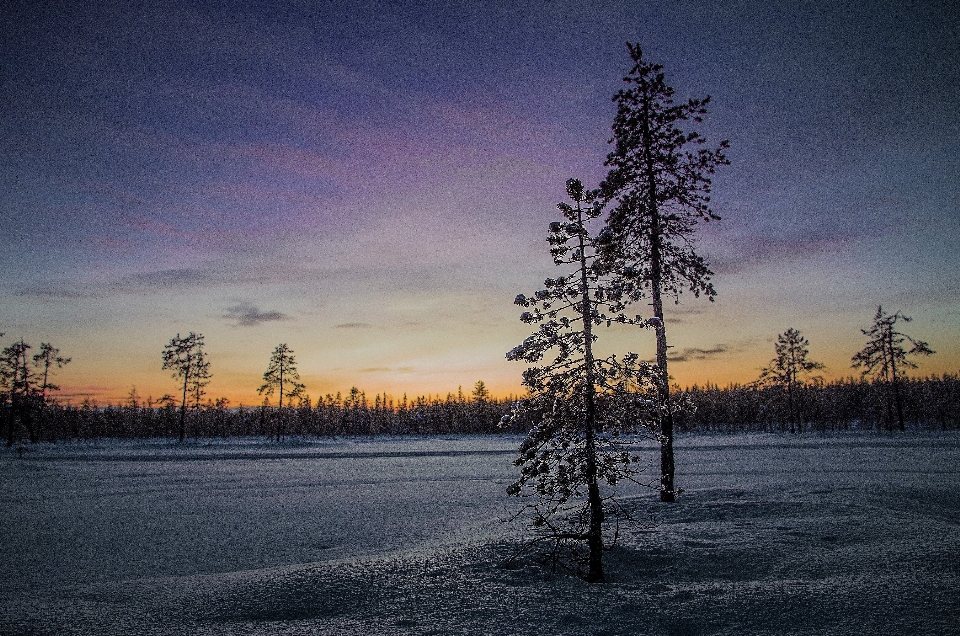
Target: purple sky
[(370, 183)]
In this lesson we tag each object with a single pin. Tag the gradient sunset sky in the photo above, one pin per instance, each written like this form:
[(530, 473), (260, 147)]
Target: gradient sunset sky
[(370, 182)]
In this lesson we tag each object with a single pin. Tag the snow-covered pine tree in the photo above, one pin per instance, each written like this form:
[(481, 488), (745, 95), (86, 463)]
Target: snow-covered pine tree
[(660, 176), (584, 411)]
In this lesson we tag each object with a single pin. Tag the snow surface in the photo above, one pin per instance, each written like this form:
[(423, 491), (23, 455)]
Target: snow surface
[(845, 534)]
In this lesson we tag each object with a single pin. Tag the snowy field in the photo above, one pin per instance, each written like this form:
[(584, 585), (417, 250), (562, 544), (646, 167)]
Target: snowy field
[(851, 534)]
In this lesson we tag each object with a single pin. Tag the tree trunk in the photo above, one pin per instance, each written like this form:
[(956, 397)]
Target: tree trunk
[(899, 402), (793, 416), (183, 409), (896, 384), (26, 417), (280, 403), (595, 537), (667, 488), (594, 501), (8, 416)]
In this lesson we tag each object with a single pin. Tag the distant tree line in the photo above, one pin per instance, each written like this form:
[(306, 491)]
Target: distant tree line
[(784, 397), (785, 392), (353, 414), (931, 403)]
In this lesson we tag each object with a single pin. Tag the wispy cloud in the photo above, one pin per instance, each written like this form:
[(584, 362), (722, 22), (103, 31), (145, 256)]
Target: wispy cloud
[(206, 275), (680, 314), (249, 315), (694, 353), (54, 291), (752, 251), (177, 278)]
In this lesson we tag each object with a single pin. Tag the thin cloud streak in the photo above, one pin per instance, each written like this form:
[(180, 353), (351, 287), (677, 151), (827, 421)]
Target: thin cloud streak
[(51, 292), (751, 252), (249, 315), (694, 353)]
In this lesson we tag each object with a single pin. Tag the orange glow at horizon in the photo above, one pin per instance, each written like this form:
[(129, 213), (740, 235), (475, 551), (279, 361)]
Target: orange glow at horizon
[(241, 389)]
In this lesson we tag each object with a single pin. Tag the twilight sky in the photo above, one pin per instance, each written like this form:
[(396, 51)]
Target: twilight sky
[(370, 182)]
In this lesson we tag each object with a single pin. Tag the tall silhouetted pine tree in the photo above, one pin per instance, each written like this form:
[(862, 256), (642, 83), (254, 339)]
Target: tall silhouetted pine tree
[(19, 384), (660, 176)]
